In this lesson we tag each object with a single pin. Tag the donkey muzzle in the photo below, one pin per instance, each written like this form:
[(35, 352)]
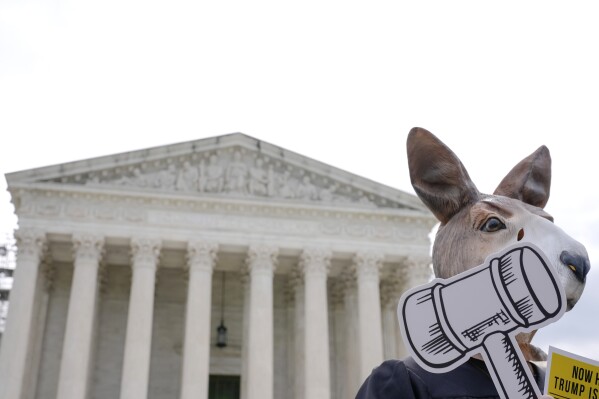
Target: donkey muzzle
[(579, 264)]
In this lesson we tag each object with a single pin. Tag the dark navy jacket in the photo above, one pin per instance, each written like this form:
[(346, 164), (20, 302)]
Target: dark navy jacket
[(405, 379)]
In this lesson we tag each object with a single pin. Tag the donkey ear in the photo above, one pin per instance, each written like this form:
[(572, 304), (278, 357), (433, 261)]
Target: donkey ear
[(530, 180), (438, 176)]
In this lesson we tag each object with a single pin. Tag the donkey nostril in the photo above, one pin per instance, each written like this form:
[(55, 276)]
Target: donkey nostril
[(577, 263)]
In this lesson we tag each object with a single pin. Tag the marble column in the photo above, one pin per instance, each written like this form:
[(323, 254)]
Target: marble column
[(201, 259), (369, 312), (299, 332), (389, 299), (352, 354), (75, 365), (289, 297), (315, 263), (245, 340), (44, 288), (138, 340), (338, 341), (261, 263), (15, 350)]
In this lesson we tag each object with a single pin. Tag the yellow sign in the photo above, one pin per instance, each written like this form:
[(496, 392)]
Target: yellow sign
[(570, 376)]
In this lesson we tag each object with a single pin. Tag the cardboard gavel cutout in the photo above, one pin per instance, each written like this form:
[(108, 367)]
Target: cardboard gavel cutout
[(445, 322)]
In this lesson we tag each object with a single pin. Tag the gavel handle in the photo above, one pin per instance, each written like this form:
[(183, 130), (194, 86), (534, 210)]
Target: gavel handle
[(509, 368)]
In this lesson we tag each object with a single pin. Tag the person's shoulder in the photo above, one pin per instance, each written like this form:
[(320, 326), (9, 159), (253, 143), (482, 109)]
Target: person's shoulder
[(391, 379), (406, 379), (470, 379)]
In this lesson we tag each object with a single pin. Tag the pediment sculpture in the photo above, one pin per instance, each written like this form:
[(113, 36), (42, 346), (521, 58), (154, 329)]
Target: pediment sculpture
[(234, 172)]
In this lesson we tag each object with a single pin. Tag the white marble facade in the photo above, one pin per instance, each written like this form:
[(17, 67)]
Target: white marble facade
[(122, 261)]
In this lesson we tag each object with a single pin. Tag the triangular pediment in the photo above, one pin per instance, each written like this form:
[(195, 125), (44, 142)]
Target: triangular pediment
[(235, 166)]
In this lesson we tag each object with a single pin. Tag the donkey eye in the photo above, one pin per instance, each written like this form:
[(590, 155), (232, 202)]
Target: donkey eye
[(492, 224)]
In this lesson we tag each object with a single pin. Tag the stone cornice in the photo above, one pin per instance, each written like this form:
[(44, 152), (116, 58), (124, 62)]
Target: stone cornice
[(65, 210), (49, 200)]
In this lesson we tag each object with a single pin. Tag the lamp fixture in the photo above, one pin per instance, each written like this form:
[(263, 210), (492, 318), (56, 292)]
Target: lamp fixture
[(221, 330)]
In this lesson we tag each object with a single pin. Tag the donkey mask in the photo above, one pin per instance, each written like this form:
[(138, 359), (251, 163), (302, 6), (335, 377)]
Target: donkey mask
[(475, 225)]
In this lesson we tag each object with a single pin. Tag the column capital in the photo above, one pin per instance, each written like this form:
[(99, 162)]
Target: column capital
[(244, 274), (389, 292), (296, 279), (416, 270), (315, 260), (348, 279), (368, 264), (88, 246), (145, 252), (262, 258), (336, 288), (201, 255), (31, 244)]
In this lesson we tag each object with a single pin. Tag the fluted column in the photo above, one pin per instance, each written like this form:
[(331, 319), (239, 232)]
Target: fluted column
[(201, 259), (261, 263), (289, 298), (44, 288), (15, 348), (352, 354), (338, 343), (315, 263), (299, 332), (138, 340), (73, 382), (389, 300), (245, 339), (369, 311)]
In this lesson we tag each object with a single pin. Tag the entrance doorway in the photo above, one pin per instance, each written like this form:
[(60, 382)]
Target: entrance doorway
[(224, 387)]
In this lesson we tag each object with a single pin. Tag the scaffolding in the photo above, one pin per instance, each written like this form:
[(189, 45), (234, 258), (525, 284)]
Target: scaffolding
[(7, 268)]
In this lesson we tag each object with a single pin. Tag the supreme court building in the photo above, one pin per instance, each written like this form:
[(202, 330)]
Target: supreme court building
[(127, 264)]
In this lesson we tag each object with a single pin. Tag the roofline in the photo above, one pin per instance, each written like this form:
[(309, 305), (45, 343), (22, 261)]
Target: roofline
[(150, 154)]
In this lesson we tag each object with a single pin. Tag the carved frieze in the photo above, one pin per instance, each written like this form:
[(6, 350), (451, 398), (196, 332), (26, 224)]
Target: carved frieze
[(233, 171), (218, 215)]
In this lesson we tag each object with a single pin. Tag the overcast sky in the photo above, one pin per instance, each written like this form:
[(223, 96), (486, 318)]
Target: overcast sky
[(341, 82)]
